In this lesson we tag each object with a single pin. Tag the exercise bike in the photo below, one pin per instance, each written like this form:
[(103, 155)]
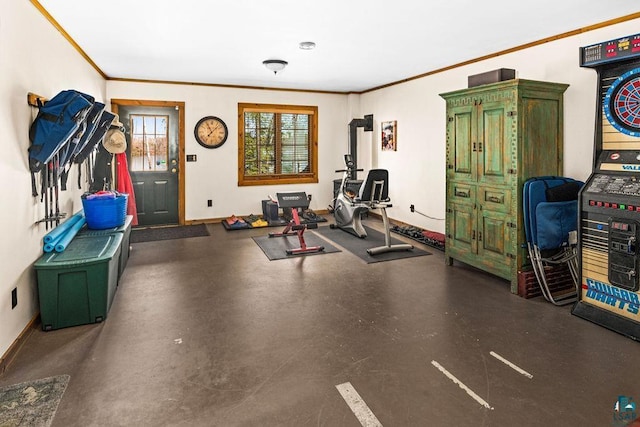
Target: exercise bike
[(372, 194), (346, 211)]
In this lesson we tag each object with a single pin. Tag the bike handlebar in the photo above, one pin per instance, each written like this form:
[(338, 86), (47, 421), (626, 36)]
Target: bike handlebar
[(349, 170)]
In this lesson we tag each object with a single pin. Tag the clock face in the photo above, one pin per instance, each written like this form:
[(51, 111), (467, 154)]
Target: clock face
[(211, 132)]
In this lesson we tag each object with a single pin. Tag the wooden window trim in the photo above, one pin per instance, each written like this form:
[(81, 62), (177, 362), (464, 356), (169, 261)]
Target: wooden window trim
[(310, 178)]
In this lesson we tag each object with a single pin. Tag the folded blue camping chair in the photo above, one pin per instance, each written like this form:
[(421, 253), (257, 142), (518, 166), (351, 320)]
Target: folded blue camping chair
[(550, 206)]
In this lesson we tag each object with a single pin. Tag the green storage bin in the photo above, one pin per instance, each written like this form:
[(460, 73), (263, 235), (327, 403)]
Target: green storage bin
[(125, 229), (77, 286)]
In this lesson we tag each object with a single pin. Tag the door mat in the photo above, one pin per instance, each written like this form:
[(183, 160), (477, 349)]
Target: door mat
[(359, 247), (276, 247), (32, 403), (139, 235)]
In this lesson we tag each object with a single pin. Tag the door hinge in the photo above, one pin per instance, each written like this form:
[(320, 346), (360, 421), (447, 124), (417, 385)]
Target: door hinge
[(512, 113), (449, 210), (512, 171), (511, 225), (479, 147), (473, 235), (449, 166), (512, 256), (479, 236), (474, 147), (449, 119)]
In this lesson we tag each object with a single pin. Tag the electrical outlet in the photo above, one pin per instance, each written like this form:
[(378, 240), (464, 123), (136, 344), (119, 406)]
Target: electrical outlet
[(309, 197), (209, 203), (14, 298)]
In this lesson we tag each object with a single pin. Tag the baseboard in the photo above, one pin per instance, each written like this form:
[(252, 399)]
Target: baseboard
[(203, 221), (12, 351)]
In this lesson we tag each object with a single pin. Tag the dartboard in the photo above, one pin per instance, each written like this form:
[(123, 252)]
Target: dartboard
[(622, 103)]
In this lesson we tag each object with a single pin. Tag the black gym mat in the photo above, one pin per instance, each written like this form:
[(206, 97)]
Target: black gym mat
[(275, 247), (359, 247)]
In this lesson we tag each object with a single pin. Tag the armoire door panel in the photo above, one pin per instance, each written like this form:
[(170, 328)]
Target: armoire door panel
[(494, 152), (461, 133)]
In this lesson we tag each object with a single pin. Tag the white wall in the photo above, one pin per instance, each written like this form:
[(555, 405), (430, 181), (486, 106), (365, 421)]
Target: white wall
[(34, 57), (417, 171), (215, 174)]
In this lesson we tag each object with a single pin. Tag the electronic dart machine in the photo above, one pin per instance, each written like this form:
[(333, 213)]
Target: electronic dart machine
[(609, 203)]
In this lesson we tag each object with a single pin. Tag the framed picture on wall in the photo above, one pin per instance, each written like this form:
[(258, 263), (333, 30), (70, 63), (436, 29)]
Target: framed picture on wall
[(389, 136)]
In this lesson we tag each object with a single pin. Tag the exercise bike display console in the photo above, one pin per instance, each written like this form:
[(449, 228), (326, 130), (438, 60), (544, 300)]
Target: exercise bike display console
[(295, 201)]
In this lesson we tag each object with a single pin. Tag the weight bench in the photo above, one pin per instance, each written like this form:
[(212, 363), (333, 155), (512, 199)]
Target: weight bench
[(295, 201)]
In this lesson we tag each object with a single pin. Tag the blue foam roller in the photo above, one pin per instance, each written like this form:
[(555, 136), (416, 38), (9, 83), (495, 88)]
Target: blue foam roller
[(71, 233), (51, 246), (62, 228)]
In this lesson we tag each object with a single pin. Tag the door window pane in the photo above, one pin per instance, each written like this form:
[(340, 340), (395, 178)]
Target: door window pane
[(149, 142)]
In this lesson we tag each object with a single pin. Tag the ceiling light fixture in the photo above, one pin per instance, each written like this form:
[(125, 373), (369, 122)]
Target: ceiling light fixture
[(307, 45), (275, 65)]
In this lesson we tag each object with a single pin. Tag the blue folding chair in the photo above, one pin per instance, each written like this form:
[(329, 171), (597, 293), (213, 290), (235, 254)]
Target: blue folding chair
[(550, 206)]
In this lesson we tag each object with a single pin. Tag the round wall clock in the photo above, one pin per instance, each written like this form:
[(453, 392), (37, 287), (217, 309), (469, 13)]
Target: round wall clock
[(211, 132)]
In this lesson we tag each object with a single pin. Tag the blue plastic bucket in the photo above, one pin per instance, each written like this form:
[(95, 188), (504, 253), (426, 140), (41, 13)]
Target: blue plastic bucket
[(105, 213)]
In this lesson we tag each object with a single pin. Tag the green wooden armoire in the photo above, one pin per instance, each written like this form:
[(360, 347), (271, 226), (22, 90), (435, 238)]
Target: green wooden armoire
[(498, 136)]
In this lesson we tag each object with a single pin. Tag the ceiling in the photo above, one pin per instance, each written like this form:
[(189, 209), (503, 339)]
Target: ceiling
[(360, 44)]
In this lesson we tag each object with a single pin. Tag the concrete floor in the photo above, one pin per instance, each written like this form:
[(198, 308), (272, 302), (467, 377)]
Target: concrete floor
[(207, 332)]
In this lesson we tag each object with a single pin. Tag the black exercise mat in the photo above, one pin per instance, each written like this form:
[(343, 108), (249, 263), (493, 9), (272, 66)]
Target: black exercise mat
[(139, 235), (275, 247), (359, 247), (32, 403)]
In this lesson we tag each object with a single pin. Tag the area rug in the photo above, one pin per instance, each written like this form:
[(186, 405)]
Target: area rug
[(359, 246), (32, 403), (276, 247), (139, 235)]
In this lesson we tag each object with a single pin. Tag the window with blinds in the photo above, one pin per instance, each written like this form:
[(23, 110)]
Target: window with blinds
[(277, 144)]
